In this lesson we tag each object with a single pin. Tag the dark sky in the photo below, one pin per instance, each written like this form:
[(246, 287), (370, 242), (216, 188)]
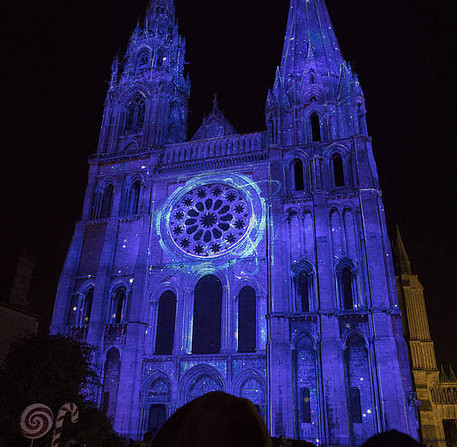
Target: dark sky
[(56, 64)]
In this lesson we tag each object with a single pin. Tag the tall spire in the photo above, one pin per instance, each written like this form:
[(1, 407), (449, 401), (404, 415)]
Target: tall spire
[(309, 29), (402, 261)]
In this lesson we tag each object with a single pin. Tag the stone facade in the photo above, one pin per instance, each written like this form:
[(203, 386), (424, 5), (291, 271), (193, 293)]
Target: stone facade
[(436, 390), (258, 264)]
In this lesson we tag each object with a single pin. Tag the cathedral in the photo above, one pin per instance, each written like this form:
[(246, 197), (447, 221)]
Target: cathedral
[(257, 264)]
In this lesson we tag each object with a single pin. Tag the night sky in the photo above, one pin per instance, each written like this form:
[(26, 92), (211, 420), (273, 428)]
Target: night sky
[(56, 64)]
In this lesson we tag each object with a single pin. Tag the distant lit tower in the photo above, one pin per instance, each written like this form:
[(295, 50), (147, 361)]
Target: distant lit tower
[(436, 390), (257, 264)]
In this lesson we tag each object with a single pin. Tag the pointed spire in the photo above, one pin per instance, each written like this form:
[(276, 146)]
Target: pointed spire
[(309, 29), (402, 261), (114, 71), (345, 81)]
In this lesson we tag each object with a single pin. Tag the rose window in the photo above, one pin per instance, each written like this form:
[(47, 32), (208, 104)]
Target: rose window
[(210, 220)]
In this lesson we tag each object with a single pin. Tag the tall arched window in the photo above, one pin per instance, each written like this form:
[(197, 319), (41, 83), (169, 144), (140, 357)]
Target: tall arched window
[(299, 181), (136, 109), (81, 306), (118, 305), (107, 202), (133, 199), (302, 291), (165, 333), (247, 324), (315, 127), (346, 288), (206, 336), (338, 171)]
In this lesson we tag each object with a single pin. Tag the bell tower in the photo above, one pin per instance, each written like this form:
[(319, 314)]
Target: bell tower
[(316, 96), (147, 101)]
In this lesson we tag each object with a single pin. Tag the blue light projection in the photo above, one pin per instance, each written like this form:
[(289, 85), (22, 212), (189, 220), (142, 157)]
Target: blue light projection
[(217, 217), (137, 243)]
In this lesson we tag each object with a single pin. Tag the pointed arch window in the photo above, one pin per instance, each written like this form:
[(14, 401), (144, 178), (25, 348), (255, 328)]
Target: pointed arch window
[(315, 127), (118, 306), (347, 289), (81, 307), (165, 333), (247, 324), (312, 78), (299, 180), (107, 202), (132, 199), (136, 110), (302, 290), (206, 335), (338, 170)]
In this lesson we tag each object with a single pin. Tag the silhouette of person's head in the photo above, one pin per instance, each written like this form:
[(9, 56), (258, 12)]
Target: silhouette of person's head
[(391, 438), (215, 419)]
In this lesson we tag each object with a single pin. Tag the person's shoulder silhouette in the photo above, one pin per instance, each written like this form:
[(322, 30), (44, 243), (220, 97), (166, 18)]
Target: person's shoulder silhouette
[(392, 438)]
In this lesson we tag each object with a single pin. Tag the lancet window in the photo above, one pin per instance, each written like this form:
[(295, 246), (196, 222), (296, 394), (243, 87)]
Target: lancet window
[(206, 336), (135, 114), (118, 305), (315, 127), (338, 170), (299, 180), (81, 307), (166, 324), (247, 324)]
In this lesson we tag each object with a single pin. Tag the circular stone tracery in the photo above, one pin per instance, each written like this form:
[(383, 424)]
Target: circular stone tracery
[(209, 220)]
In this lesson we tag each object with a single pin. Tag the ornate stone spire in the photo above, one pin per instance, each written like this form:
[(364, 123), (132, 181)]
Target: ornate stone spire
[(309, 30)]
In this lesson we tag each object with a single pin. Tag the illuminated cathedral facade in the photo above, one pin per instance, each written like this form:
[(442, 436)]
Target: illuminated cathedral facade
[(258, 264)]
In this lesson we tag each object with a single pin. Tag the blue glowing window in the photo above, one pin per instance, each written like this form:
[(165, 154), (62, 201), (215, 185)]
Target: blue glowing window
[(166, 324), (81, 306), (247, 320), (136, 110), (302, 285), (118, 306), (107, 202), (315, 127), (346, 288), (338, 171), (299, 181), (133, 199), (206, 336)]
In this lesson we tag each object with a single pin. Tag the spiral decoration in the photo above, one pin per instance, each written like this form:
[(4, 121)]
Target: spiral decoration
[(36, 421)]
